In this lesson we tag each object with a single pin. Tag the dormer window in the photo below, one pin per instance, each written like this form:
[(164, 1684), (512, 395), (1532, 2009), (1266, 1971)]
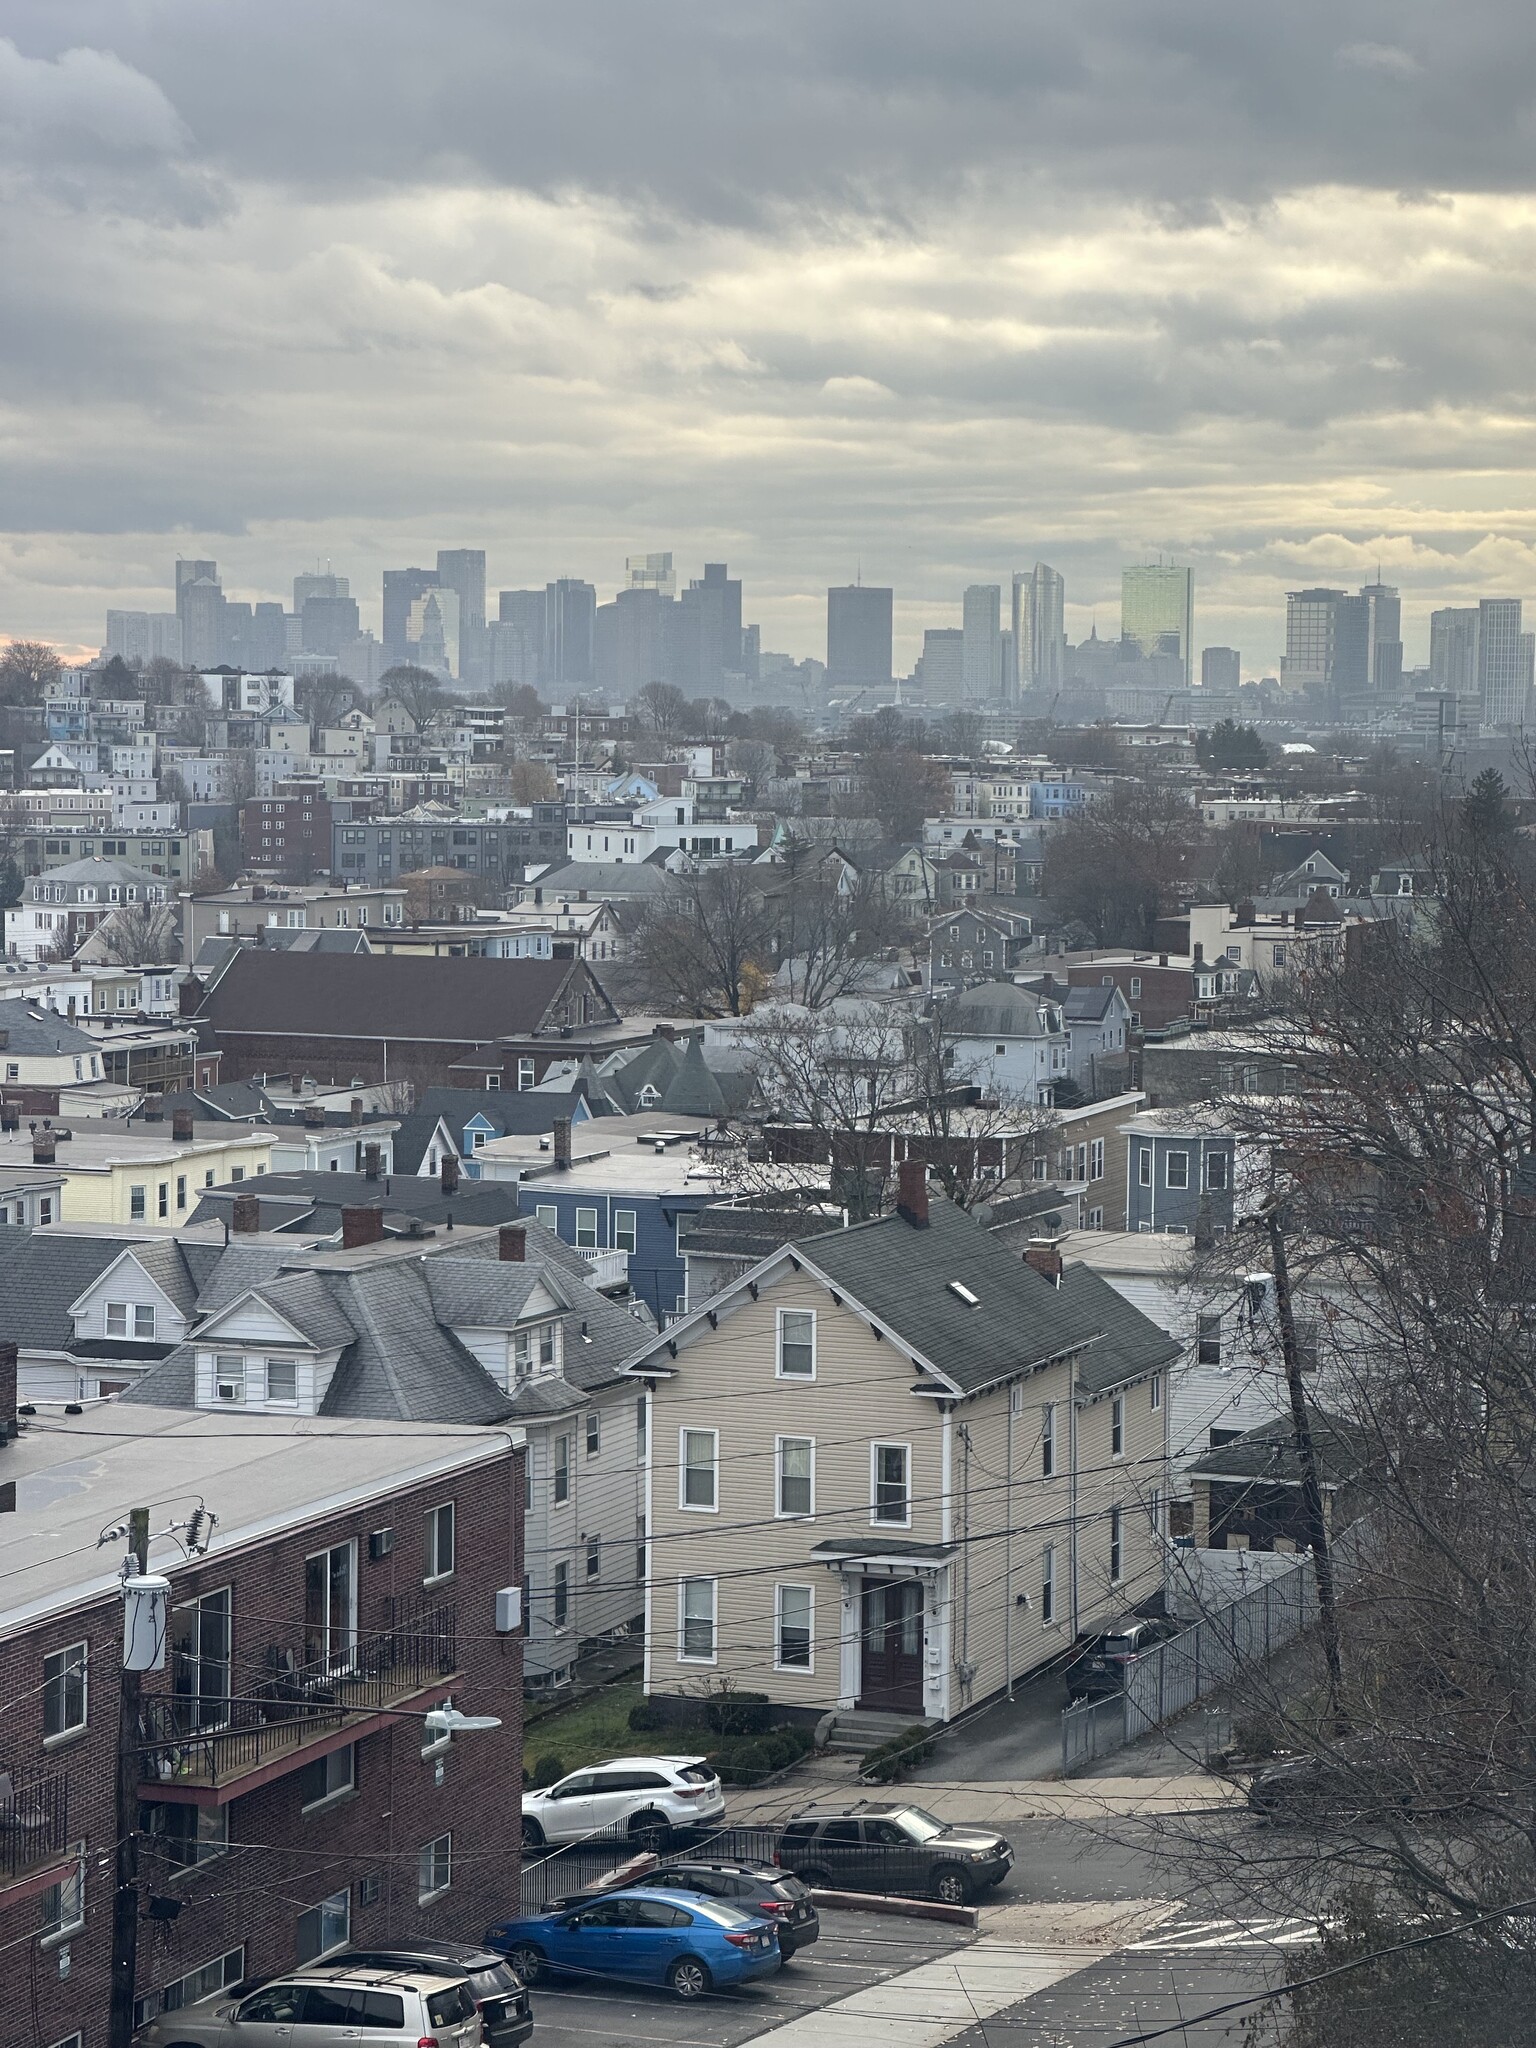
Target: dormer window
[(135, 1319), (229, 1377), (533, 1350)]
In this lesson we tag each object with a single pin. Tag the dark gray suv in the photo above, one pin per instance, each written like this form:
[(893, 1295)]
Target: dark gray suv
[(893, 1848)]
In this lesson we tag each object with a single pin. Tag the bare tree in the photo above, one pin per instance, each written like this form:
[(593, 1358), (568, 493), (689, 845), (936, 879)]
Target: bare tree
[(1121, 866), (829, 921), (138, 935), (420, 690), (702, 949), (27, 667), (326, 699), (901, 787), (663, 709), (530, 782)]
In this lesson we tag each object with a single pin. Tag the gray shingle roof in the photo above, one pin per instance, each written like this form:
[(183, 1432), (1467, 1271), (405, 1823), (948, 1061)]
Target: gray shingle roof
[(1131, 1345), (41, 1273), (996, 1009), (1268, 1453), (33, 1032)]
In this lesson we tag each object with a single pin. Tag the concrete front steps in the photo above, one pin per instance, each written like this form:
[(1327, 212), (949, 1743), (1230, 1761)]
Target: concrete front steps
[(862, 1730)]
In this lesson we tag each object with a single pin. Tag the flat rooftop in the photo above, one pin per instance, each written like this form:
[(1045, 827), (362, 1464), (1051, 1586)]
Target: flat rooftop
[(78, 1475)]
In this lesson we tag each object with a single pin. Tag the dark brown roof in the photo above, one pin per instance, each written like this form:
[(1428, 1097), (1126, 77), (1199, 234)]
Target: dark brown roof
[(377, 995)]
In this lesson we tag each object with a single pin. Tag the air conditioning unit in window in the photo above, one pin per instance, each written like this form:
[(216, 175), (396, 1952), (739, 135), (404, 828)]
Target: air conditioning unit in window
[(380, 1543)]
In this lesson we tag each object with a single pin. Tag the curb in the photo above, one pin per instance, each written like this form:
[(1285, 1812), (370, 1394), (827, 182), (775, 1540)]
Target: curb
[(912, 1909)]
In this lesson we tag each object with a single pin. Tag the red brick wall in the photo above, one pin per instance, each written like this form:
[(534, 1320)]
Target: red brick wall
[(281, 1860)]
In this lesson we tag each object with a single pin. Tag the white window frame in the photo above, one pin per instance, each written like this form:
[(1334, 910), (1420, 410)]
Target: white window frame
[(557, 1466), (1116, 1545), (1223, 1185), (1144, 1166), (337, 1902), (582, 1242), (809, 1664), (1117, 1426), (876, 1519), (547, 1214), (1096, 1159), (778, 1350), (1048, 1441), (283, 1400), (71, 1897), (592, 1435), (782, 1513), (693, 1507), (560, 1581), (428, 1867), (443, 1515), (1182, 1155), (684, 1655), (1048, 1615), (239, 1379), (626, 1225), (1155, 1390), (81, 1653)]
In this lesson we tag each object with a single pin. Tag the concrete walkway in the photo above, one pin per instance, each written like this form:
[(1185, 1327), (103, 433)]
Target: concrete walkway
[(822, 1781)]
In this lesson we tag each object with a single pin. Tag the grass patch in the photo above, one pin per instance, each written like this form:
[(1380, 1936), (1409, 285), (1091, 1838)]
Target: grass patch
[(588, 1732)]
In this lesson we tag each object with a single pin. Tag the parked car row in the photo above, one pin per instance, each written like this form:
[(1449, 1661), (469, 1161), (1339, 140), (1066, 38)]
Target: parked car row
[(649, 1796)]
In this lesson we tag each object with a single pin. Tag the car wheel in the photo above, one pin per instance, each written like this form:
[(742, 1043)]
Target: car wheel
[(816, 1879), (651, 1827), (528, 1962), (533, 1834), (951, 1885), (688, 1977)]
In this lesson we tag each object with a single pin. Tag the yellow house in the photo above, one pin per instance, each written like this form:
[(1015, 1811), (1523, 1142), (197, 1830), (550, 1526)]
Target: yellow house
[(136, 1173)]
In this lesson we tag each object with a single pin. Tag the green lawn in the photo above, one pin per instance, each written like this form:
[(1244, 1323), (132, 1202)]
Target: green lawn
[(588, 1732)]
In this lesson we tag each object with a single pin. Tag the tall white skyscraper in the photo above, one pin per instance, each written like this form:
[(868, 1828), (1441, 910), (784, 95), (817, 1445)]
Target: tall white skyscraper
[(982, 623), (1157, 609), (1039, 629), (1502, 664)]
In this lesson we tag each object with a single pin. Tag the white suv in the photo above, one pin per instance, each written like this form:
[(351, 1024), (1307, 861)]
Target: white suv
[(645, 1795), (328, 2008)]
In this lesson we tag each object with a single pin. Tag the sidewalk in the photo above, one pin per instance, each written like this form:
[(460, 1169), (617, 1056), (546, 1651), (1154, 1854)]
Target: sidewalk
[(824, 1780)]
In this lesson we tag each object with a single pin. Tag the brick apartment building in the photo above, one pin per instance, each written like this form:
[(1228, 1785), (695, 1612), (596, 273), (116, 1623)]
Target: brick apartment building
[(288, 837), (289, 1794)]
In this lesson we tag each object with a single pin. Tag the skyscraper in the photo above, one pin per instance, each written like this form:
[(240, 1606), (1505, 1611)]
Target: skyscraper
[(402, 587), (516, 637), (1311, 620), (1384, 638), (1501, 677), (709, 621), (570, 608), (1157, 610), (462, 570), (306, 587), (329, 621), (1039, 629), (143, 636), (433, 630), (1453, 650), (942, 677), (1221, 668), (636, 641), (981, 623), (650, 572), (200, 607), (859, 636)]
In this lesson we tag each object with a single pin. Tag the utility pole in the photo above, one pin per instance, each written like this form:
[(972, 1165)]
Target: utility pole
[(1311, 1491), (125, 1895)]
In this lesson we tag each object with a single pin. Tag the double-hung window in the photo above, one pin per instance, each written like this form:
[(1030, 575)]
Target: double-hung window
[(1144, 1166), (560, 1604), (797, 1344), (434, 1869), (1208, 1337), (1216, 1172), (63, 1904), (229, 1376), (134, 1319), (1117, 1427), (797, 1475), (792, 1647), (1048, 1441), (1048, 1585), (1177, 1170), (562, 1470), (624, 1231), (1096, 1159), (64, 1691), (890, 1497), (438, 1561), (586, 1230), (594, 1432), (1116, 1546), (700, 1462), (696, 1620)]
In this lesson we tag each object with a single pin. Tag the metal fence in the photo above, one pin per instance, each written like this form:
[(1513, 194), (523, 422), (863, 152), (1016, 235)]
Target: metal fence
[(34, 1820), (1200, 1659)]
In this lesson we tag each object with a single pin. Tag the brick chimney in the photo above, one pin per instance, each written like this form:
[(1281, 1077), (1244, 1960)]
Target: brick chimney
[(561, 1141), (361, 1226), (1162, 958), (512, 1243), (8, 1418), (370, 1162), (357, 1109), (912, 1193), (181, 1126), (667, 1031), (1199, 956), (154, 1108), (1044, 1255), (245, 1215), (448, 1175), (314, 1116), (42, 1147)]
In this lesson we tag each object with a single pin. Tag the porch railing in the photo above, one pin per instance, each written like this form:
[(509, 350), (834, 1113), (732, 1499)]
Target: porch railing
[(34, 1821)]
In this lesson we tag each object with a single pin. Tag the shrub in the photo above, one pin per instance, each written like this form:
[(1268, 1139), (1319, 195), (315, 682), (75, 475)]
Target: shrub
[(646, 1716), (738, 1713), (545, 1772), (884, 1764), (780, 1748)]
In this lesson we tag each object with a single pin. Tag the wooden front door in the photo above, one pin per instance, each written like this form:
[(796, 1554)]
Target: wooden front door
[(891, 1680)]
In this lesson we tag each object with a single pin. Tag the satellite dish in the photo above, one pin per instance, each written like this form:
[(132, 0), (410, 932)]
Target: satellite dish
[(449, 1721)]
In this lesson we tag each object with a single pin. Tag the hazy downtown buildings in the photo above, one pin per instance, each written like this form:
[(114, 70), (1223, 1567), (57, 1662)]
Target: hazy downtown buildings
[(143, 636), (402, 587), (636, 640), (1384, 638), (859, 636), (1503, 661), (1221, 668), (570, 609), (981, 622), (200, 608), (462, 570), (515, 637), (1453, 667), (1039, 629), (1311, 624), (941, 670), (1157, 610), (650, 572), (709, 632)]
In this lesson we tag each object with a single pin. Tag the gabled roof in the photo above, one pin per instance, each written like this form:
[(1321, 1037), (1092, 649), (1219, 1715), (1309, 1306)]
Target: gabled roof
[(1267, 1455), (1130, 1347), (35, 1033), (996, 1009), (42, 1272), (1091, 1005), (509, 1112)]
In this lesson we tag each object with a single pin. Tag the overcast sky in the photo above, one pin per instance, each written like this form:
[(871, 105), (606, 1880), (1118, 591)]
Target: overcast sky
[(812, 287)]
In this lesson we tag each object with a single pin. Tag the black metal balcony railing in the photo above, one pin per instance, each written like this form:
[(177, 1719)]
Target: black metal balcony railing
[(34, 1821), (288, 1705)]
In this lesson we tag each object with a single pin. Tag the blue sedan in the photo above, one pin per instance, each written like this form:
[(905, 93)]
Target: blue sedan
[(648, 1936)]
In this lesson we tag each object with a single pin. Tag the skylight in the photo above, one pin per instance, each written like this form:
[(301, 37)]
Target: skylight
[(961, 1292)]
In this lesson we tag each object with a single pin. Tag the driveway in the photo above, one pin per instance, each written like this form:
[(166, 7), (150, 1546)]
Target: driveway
[(1011, 1739)]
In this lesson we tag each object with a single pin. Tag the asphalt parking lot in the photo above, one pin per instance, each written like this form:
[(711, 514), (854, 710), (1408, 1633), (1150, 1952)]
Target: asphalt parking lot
[(855, 1949)]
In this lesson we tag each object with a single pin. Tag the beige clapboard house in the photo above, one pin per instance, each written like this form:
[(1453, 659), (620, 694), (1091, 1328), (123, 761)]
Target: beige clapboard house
[(890, 1465)]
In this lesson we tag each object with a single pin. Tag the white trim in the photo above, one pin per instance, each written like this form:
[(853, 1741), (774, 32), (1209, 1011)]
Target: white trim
[(782, 1587), (780, 1512), (429, 1849), (877, 1520), (714, 1621), (693, 1507), (778, 1345), (302, 1342)]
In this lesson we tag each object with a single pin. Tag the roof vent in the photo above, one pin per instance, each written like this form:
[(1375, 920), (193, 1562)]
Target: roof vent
[(961, 1292)]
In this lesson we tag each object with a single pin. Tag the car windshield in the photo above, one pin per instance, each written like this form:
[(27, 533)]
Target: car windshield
[(723, 1914), (1118, 1646), (921, 1826)]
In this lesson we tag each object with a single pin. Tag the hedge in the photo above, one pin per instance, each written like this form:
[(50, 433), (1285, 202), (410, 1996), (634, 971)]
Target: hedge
[(885, 1763)]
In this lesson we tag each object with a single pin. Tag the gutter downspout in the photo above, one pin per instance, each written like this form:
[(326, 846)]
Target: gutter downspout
[(1008, 1552), (1072, 1499)]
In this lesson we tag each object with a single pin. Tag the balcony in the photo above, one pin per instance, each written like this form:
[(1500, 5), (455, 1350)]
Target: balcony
[(608, 1269), (205, 1752), (34, 1831)]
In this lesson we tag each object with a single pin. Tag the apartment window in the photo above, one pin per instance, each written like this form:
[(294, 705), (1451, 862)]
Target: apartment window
[(696, 1620), (532, 1347), (163, 1200), (1155, 1391), (229, 1376), (1208, 1338), (890, 1500), (330, 1607), (547, 1214), (797, 1475), (191, 1835), (283, 1382), (1116, 1553), (434, 1869), (200, 1659), (181, 1191), (324, 1927), (1144, 1165), (624, 1233), (797, 1343), (562, 1487), (1308, 1343), (792, 1650), (64, 1691), (594, 1433), (1095, 1219), (135, 1319), (1048, 1584), (1217, 1167), (586, 1230), (1117, 1427), (560, 1603), (525, 1073), (137, 1203), (439, 1544), (62, 1905), (208, 1178), (1277, 956), (237, 1173), (1176, 1170), (594, 1556), (1135, 987), (640, 1548), (328, 1777), (1096, 1159), (700, 1449), (1048, 1441), (640, 1428)]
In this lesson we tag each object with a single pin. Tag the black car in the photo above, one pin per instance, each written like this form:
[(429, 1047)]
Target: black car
[(506, 2018), (756, 1887), (893, 1848), (1097, 1672), (1359, 1779)]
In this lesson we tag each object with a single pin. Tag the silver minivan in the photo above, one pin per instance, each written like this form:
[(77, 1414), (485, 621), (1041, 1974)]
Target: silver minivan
[(325, 2009)]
